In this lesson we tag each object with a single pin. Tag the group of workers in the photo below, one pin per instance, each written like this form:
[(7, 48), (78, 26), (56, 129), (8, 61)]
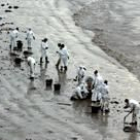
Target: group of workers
[(94, 87), (62, 62), (14, 35)]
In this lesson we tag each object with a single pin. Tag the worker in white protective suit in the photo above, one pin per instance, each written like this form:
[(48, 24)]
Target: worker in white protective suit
[(30, 36), (80, 92), (81, 74), (64, 56), (105, 97), (134, 109), (31, 62), (97, 83), (44, 48), (13, 38)]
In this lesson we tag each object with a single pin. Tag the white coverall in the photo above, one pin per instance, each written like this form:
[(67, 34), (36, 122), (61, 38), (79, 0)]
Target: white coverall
[(134, 105), (81, 74), (105, 97), (44, 47), (30, 36), (64, 56), (31, 62), (81, 92), (13, 36), (96, 92)]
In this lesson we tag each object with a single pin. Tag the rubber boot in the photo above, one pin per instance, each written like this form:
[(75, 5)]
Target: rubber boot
[(41, 61), (46, 59), (65, 68)]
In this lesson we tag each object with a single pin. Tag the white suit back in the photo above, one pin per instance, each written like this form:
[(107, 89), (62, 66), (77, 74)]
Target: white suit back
[(31, 60), (64, 52), (14, 34), (30, 34), (98, 81)]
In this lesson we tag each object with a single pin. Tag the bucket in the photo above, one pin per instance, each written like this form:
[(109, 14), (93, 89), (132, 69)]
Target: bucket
[(15, 49), (57, 87), (95, 107), (73, 98), (26, 53), (49, 82), (19, 45), (18, 61)]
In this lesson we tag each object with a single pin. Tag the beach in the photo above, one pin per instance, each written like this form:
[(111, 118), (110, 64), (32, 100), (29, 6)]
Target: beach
[(28, 109)]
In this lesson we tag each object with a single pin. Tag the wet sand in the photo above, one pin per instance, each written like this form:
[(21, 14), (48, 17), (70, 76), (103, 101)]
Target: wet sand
[(41, 114)]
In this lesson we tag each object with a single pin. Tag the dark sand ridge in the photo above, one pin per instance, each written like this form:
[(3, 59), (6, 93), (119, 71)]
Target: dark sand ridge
[(38, 114), (116, 28)]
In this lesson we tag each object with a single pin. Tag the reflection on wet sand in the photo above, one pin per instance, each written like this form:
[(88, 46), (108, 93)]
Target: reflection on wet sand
[(43, 71), (61, 82), (97, 121), (133, 136), (31, 87), (83, 107), (62, 79)]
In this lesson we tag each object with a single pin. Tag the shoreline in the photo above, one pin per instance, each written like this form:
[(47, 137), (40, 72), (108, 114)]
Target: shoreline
[(114, 33), (117, 56)]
